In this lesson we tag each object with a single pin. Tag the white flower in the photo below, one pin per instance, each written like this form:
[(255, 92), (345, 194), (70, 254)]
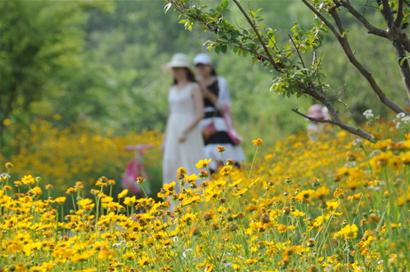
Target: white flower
[(406, 119), (4, 176), (368, 114), (357, 141), (351, 164), (400, 115), (374, 153), (185, 252)]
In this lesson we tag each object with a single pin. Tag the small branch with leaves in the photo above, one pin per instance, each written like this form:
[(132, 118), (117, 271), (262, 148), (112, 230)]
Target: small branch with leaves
[(277, 66)]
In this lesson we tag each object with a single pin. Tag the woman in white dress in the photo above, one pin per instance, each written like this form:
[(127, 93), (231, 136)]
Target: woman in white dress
[(216, 126), (183, 140)]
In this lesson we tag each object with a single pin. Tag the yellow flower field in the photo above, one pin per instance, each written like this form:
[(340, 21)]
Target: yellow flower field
[(334, 205), (61, 156)]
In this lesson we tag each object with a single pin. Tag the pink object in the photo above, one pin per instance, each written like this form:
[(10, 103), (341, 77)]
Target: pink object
[(129, 179), (316, 111), (135, 168), (231, 131)]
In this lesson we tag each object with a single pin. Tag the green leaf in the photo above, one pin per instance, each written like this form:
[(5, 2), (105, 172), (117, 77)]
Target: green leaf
[(224, 4), (272, 42)]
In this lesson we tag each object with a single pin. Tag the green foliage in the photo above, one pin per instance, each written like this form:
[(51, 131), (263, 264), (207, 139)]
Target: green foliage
[(41, 41), (113, 74), (101, 63), (286, 57)]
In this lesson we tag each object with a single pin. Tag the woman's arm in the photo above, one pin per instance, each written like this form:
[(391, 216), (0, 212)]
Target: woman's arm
[(199, 112)]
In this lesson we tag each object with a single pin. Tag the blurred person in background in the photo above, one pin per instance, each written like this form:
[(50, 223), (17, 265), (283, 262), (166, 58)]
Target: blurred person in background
[(216, 126), (183, 144), (314, 129)]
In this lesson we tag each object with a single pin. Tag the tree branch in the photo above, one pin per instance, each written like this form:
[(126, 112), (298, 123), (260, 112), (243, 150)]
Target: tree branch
[(387, 12), (404, 65), (256, 54), (360, 67), (397, 35), (255, 29), (399, 17), (341, 37), (370, 28), (322, 18), (356, 131), (395, 29), (297, 50)]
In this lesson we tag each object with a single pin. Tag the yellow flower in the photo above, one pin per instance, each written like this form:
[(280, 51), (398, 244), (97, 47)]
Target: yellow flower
[(226, 169), (191, 178), (143, 261), (381, 160), (79, 186), (332, 205), (338, 193), (190, 200), (220, 148), (268, 157), (347, 232), (297, 213), (101, 182), (140, 179), (322, 191), (320, 220), (28, 179), (257, 142), (130, 201), (9, 165), (305, 195), (36, 191), (82, 256), (240, 192), (203, 163), (60, 200), (123, 193), (70, 190), (181, 172), (111, 182), (86, 204), (7, 122), (209, 267), (167, 190)]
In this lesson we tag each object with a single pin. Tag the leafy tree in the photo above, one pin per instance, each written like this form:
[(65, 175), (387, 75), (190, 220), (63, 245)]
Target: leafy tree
[(295, 61), (39, 40)]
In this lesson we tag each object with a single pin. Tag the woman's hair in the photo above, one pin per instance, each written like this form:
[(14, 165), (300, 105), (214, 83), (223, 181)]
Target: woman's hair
[(213, 72), (189, 74)]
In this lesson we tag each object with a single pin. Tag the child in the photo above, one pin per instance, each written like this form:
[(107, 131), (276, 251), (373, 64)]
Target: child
[(314, 129)]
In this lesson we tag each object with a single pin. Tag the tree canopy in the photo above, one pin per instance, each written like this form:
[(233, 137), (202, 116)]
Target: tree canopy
[(294, 60), (100, 64)]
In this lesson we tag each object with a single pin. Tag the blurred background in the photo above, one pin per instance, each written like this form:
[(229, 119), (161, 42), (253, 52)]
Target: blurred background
[(80, 76)]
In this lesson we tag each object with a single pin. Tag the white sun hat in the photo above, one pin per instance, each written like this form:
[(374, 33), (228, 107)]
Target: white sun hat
[(178, 60), (202, 58)]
